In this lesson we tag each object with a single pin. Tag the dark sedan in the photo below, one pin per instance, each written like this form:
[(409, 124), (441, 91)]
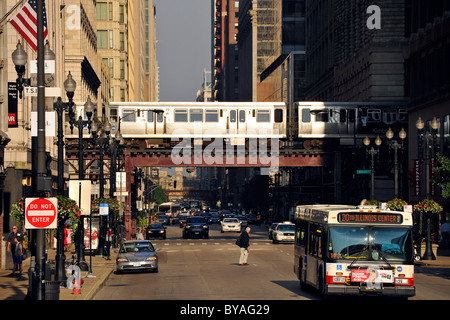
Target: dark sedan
[(196, 227), (155, 230)]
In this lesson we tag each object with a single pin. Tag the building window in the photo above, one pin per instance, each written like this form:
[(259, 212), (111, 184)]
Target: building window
[(122, 41), (102, 11), (122, 69), (102, 39), (121, 14), (111, 39)]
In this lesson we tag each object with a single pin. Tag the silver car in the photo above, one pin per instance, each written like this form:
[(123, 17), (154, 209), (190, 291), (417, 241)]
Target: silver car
[(137, 255)]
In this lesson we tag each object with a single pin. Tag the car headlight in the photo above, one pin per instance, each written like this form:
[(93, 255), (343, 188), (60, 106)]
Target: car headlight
[(150, 259), (205, 226), (188, 226), (122, 259)]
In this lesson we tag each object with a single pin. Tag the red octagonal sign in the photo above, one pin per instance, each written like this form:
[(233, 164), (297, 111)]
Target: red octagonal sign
[(41, 213)]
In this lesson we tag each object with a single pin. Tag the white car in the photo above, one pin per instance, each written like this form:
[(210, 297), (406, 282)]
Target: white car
[(284, 232), (230, 224)]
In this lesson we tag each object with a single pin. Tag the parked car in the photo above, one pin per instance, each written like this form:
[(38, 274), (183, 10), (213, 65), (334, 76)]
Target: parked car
[(196, 226), (284, 232), (155, 230), (230, 224), (137, 255), (271, 228)]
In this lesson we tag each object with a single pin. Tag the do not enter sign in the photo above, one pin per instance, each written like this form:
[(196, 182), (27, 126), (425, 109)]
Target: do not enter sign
[(41, 213)]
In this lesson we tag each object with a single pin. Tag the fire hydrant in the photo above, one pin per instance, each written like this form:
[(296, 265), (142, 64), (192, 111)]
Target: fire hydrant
[(74, 281)]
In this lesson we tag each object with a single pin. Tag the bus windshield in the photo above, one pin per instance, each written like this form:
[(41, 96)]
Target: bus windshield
[(370, 243)]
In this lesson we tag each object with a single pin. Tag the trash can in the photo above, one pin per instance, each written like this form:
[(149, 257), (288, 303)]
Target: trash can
[(52, 290)]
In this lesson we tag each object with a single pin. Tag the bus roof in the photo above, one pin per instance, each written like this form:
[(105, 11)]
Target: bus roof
[(327, 213)]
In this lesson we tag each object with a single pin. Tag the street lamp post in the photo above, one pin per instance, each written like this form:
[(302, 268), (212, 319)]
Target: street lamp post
[(80, 124), (372, 152), (427, 135), (102, 141), (59, 106), (396, 146)]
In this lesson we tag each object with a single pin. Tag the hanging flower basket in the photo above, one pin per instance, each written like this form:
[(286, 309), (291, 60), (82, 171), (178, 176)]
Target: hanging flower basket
[(114, 204), (428, 206), (67, 210), (396, 204)]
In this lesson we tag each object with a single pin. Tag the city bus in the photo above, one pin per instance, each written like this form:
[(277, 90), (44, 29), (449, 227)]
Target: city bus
[(169, 209), (354, 250)]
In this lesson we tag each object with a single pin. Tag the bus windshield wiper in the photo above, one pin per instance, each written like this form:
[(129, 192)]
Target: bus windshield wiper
[(382, 257), (358, 254)]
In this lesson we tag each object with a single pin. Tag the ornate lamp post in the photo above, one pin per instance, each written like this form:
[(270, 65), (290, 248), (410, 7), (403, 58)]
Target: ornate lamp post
[(372, 152), (393, 144), (427, 136), (59, 106), (102, 141), (80, 124)]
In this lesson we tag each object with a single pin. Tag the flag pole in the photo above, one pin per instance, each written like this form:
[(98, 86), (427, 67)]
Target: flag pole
[(41, 156)]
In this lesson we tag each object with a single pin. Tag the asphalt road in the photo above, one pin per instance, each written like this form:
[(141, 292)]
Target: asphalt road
[(208, 269)]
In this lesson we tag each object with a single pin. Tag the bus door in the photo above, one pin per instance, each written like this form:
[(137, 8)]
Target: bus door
[(155, 123), (237, 124)]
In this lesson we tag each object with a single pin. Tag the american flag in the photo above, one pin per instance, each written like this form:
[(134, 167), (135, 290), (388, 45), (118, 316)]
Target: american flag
[(25, 22)]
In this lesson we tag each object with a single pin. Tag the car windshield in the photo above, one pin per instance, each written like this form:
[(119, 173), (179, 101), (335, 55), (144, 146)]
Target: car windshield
[(136, 247), (230, 220), (196, 220), (156, 226), (286, 227), (370, 243)]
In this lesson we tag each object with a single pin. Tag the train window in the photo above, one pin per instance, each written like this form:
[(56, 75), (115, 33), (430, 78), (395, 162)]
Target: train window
[(322, 117), (129, 115), (342, 115), (306, 115), (351, 115), (159, 117), (241, 115), (278, 115), (233, 116), (113, 115), (196, 115), (211, 116), (180, 115), (149, 116), (263, 115)]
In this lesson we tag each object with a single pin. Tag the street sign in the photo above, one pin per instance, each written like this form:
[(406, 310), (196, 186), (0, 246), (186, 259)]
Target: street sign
[(103, 209), (41, 213), (363, 171)]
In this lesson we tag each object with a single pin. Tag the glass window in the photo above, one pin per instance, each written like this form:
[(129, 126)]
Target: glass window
[(211, 116), (279, 115), (391, 244), (262, 115), (180, 115), (128, 116), (196, 115), (102, 39), (306, 115), (149, 116), (241, 115), (102, 13), (233, 116)]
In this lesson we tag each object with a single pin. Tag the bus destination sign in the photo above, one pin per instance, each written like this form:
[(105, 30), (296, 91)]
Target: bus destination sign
[(369, 217)]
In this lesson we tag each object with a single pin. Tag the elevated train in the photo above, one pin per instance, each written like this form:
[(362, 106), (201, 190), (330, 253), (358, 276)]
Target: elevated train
[(313, 122)]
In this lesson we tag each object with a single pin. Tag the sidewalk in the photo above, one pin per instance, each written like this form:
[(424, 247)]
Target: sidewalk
[(15, 287)]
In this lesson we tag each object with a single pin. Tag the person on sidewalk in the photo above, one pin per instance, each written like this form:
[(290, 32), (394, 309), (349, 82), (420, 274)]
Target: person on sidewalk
[(18, 253), (11, 246), (244, 244), (109, 236)]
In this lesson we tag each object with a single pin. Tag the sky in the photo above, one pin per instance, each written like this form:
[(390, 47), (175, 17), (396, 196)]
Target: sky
[(183, 50)]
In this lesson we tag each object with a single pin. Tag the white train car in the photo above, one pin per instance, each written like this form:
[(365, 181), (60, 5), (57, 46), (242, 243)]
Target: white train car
[(198, 119), (348, 121)]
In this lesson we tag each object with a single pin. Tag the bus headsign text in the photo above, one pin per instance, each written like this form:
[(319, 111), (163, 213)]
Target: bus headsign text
[(363, 217)]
